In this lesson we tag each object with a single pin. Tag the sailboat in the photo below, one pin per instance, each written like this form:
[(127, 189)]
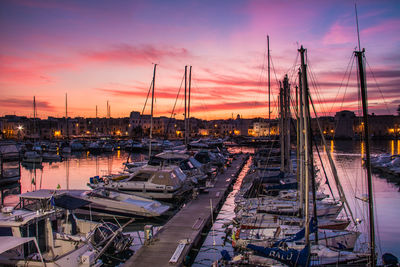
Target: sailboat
[(66, 149), (34, 157), (301, 247), (45, 232), (166, 183)]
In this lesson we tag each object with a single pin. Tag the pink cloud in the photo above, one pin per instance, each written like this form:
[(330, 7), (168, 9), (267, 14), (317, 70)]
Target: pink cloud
[(387, 26), (130, 54), (33, 70), (339, 34), (26, 104)]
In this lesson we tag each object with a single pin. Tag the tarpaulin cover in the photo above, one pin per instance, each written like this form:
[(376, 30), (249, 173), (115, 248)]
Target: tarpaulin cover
[(69, 202), (299, 235), (282, 186), (291, 257)]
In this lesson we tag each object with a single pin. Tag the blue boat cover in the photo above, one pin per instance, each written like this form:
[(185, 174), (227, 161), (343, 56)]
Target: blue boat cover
[(291, 257), (68, 202), (282, 186), (299, 235)]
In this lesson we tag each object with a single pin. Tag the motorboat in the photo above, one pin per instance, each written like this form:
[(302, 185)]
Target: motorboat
[(42, 233), (49, 157), (32, 157), (76, 145), (164, 183), (107, 147), (103, 203), (188, 164)]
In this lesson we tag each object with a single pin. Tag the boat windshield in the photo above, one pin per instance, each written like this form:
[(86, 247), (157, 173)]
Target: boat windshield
[(195, 162), (180, 174), (141, 177)]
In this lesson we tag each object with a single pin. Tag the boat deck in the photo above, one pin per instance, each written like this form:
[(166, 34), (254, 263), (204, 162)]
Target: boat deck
[(177, 237)]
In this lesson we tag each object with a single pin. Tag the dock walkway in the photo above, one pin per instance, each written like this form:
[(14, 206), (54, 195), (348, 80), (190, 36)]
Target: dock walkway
[(187, 224)]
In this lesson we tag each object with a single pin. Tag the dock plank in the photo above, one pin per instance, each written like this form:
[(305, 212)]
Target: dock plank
[(195, 213)]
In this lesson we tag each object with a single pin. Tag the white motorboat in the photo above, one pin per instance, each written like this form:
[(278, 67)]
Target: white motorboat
[(51, 157), (104, 203), (32, 157), (58, 237), (165, 183), (188, 164)]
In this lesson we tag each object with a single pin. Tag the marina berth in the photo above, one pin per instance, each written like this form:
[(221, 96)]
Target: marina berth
[(41, 234), (223, 163)]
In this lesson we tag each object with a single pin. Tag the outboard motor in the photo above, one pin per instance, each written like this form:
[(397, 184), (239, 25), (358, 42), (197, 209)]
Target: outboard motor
[(105, 231)]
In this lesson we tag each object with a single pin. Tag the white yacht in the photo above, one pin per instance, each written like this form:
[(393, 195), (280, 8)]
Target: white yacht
[(188, 164), (32, 157), (164, 183), (39, 234), (101, 203)]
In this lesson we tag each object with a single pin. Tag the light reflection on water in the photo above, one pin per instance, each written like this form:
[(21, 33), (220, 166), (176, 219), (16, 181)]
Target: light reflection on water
[(348, 156), (72, 173), (216, 240), (75, 173)]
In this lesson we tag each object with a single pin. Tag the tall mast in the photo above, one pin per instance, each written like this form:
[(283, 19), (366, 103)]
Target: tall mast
[(190, 85), (297, 144), (301, 147), (281, 127), (34, 116), (363, 88), (152, 105), (306, 146), (185, 122), (96, 111), (269, 92), (311, 167), (286, 94), (107, 118), (66, 114)]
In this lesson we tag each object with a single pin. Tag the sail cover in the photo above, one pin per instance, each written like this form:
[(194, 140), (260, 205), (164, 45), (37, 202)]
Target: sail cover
[(282, 186), (299, 235), (291, 257), (68, 202)]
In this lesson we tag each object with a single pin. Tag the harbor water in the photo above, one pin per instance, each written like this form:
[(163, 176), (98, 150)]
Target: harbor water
[(75, 170)]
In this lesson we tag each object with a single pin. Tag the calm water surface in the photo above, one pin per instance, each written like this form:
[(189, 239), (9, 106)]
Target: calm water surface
[(347, 158), (74, 173)]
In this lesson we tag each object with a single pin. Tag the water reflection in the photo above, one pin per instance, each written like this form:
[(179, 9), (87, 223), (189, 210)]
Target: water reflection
[(72, 173), (348, 157), (392, 147), (217, 240)]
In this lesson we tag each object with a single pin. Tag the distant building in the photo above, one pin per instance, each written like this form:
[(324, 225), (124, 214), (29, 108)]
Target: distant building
[(345, 124), (344, 121)]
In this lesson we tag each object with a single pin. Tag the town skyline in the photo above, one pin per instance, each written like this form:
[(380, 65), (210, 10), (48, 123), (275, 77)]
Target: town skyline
[(102, 51)]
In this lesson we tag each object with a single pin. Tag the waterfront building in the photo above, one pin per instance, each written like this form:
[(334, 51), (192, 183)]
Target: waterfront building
[(345, 125)]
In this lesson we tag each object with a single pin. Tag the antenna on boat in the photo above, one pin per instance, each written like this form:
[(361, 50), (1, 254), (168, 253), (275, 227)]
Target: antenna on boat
[(269, 92), (358, 30), (188, 107), (66, 114), (185, 114), (152, 105)]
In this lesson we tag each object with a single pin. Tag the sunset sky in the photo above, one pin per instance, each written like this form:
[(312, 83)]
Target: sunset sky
[(97, 50)]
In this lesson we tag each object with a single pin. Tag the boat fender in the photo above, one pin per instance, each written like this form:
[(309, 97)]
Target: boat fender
[(106, 181)]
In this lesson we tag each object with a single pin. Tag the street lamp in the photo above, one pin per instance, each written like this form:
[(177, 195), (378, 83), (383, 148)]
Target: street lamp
[(20, 128)]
